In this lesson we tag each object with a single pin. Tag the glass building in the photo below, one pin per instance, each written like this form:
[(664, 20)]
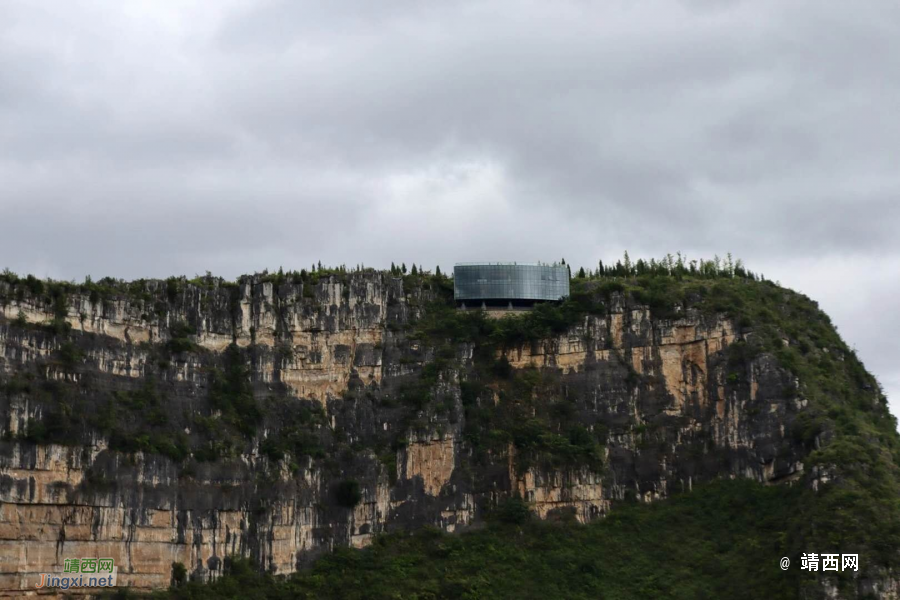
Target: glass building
[(505, 284)]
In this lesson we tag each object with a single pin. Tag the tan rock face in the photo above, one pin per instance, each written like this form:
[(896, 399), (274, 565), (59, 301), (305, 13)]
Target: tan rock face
[(330, 336), (660, 390), (322, 362), (39, 528), (433, 461), (580, 490)]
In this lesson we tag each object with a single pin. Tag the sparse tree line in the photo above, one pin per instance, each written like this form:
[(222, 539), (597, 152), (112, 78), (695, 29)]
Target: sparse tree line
[(677, 265), (672, 265)]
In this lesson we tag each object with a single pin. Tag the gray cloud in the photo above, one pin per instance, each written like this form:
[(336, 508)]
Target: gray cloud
[(144, 139)]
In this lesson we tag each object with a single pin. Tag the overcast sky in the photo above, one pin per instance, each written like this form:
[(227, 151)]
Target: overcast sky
[(157, 137)]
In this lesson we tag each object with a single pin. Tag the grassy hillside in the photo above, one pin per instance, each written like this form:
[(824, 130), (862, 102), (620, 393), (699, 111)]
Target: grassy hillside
[(851, 437), (724, 541)]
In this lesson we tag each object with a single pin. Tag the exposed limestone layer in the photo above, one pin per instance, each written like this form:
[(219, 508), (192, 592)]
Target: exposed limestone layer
[(432, 461), (579, 490), (326, 335), (660, 389)]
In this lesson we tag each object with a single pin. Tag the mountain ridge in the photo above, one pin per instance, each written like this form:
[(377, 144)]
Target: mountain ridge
[(282, 414)]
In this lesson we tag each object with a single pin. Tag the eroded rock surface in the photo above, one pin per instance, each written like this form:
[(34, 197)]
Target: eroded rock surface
[(671, 409)]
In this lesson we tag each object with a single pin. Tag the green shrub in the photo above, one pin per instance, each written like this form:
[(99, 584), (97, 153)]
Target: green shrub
[(58, 326), (662, 295), (180, 340), (69, 354), (179, 573), (512, 511), (231, 392), (347, 493)]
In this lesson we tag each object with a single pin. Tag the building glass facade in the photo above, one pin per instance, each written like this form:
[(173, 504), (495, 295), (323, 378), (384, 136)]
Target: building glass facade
[(509, 282)]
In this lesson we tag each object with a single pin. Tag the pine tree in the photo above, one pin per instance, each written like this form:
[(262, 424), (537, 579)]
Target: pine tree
[(627, 263), (640, 266), (437, 271), (414, 270), (600, 271), (581, 274), (403, 268)]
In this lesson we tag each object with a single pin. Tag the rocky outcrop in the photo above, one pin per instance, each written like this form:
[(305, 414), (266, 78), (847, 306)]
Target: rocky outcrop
[(668, 405)]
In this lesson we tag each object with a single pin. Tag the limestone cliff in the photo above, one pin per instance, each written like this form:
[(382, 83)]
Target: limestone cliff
[(166, 422)]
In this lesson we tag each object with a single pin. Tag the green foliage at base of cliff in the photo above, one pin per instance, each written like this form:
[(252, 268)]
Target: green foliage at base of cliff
[(723, 540)]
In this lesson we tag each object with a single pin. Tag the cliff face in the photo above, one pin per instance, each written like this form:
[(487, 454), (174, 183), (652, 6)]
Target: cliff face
[(188, 422)]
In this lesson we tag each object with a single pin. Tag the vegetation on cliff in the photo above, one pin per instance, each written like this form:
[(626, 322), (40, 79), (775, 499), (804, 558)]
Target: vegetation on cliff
[(697, 545), (851, 437)]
